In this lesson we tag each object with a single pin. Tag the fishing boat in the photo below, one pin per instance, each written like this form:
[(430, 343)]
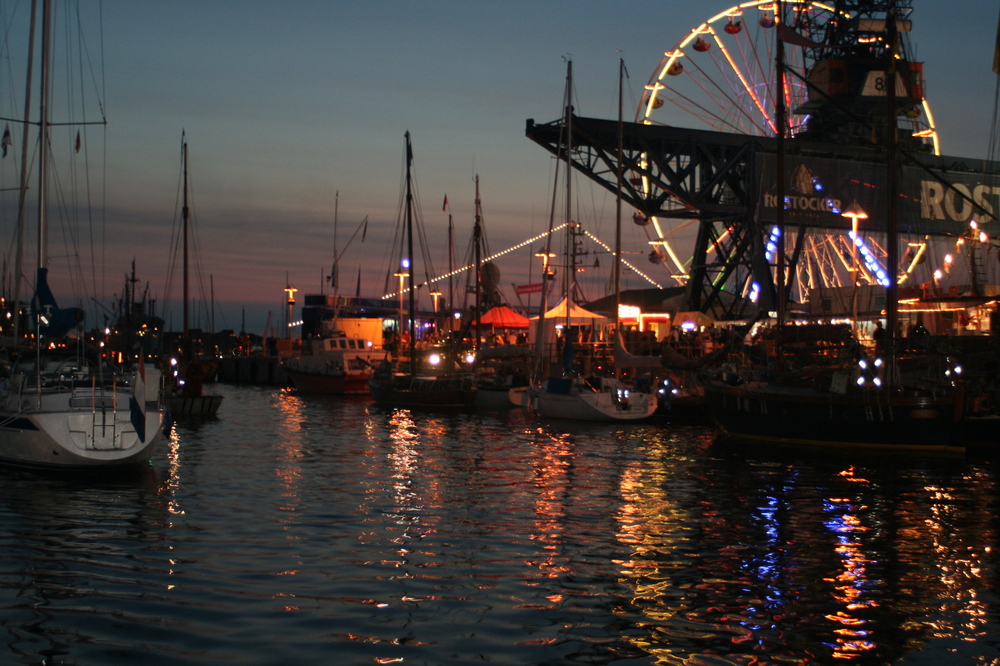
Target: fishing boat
[(432, 378), (573, 396), (818, 384), (60, 407), (338, 364), (337, 355), (184, 393)]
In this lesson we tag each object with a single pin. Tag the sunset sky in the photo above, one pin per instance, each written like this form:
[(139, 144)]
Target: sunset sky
[(284, 104)]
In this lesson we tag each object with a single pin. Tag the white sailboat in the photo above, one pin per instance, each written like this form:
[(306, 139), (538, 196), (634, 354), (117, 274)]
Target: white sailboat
[(573, 396), (68, 411)]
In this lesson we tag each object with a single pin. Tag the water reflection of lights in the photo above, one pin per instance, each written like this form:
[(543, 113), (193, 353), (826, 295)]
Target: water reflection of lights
[(554, 459), (963, 569), (404, 460), (173, 473), (290, 410), (852, 585)]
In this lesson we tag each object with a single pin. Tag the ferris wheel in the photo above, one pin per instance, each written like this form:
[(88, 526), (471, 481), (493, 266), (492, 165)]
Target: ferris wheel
[(723, 72), (722, 76)]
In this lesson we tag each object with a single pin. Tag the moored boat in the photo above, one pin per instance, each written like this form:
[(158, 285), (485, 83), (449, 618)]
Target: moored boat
[(184, 393), (336, 364), (60, 406), (431, 379)]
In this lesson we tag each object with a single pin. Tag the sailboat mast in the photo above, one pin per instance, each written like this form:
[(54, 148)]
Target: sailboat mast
[(334, 276), (409, 251), (478, 234), (23, 193), (618, 201), (892, 240), (568, 279), (43, 151), (184, 216), (780, 123), (451, 270)]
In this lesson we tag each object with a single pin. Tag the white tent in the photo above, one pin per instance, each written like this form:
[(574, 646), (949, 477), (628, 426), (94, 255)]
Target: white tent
[(577, 315), (556, 317)]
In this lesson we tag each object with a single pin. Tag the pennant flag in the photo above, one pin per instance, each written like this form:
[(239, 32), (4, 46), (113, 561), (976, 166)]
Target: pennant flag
[(77, 142), (788, 35), (6, 140), (445, 206), (137, 403)]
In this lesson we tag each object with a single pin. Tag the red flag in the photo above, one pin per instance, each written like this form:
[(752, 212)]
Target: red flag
[(996, 53), (445, 206)]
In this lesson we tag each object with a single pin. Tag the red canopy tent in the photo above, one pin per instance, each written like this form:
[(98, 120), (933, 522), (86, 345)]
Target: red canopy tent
[(503, 317)]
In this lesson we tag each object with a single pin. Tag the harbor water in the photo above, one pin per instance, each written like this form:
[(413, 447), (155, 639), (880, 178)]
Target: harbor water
[(322, 530)]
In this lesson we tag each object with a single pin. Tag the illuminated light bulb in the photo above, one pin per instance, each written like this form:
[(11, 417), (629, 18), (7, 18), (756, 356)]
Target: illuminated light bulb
[(863, 364), (470, 358), (958, 369), (983, 238), (948, 259), (861, 381), (878, 363), (434, 359), (877, 381)]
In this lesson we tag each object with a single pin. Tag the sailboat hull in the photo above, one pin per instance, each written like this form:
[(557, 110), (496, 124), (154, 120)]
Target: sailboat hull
[(424, 392), (194, 405), (83, 436), (805, 416), (582, 404)]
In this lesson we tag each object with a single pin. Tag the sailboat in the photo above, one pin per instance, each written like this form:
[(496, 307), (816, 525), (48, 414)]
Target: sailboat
[(430, 380), (573, 396), (823, 387), (185, 394), (70, 410)]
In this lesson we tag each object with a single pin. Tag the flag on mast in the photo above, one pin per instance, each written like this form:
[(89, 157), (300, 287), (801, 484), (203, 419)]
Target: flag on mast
[(996, 55), (137, 403), (6, 141)]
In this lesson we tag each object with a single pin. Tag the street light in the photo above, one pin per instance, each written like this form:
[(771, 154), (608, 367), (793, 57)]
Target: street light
[(855, 212), (402, 275), (290, 291)]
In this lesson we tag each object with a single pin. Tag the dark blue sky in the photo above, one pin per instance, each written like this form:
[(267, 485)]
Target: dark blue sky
[(286, 103)]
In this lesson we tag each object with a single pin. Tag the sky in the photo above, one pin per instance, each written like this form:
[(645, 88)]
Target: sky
[(294, 109)]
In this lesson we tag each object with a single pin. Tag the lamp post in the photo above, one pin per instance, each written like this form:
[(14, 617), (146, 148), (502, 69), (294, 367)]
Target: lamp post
[(402, 275), (855, 212), (290, 293), (547, 274)]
